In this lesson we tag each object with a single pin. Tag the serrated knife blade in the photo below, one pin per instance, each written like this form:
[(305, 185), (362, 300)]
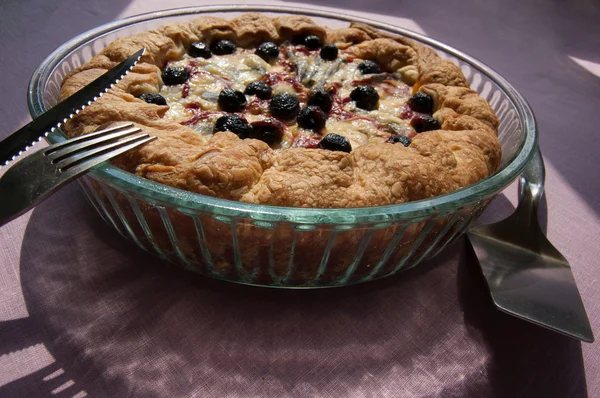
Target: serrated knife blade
[(16, 143)]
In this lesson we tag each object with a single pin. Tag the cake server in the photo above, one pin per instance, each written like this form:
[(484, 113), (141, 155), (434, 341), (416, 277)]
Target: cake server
[(527, 276), (16, 143)]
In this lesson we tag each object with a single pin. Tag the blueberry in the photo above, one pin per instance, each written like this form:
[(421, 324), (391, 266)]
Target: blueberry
[(153, 98), (284, 106), (312, 118), (312, 42), (424, 123), (298, 39), (366, 97), (329, 52), (335, 142), (399, 138), (174, 75), (261, 89), (235, 124), (320, 98), (368, 67), (223, 47), (231, 100), (268, 130), (199, 49), (268, 51), (421, 102)]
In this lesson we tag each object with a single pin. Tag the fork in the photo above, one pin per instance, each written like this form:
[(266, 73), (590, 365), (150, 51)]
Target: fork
[(526, 275), (37, 176)]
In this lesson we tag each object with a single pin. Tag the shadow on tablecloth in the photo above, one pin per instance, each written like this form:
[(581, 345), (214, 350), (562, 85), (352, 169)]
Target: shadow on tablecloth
[(119, 322)]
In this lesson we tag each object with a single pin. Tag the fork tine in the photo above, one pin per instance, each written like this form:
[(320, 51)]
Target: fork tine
[(73, 158), (81, 162), (100, 138), (86, 137)]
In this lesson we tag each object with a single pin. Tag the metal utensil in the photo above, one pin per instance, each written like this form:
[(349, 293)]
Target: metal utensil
[(527, 276), (14, 145), (37, 176)]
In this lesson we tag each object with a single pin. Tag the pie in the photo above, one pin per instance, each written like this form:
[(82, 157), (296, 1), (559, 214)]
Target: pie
[(282, 111)]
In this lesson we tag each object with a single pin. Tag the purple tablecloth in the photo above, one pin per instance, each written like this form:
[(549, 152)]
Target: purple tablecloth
[(84, 312)]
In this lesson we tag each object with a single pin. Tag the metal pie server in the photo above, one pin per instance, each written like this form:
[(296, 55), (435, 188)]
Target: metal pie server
[(16, 143), (527, 276)]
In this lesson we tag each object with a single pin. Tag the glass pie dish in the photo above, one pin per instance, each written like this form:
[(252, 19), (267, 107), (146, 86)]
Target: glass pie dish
[(286, 246)]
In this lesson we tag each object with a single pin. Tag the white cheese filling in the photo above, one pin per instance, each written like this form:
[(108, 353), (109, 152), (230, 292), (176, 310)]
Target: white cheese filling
[(194, 103)]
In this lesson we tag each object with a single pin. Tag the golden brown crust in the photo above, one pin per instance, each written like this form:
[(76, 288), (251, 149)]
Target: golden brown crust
[(374, 33), (119, 104), (429, 67), (463, 101), (209, 29), (464, 151), (304, 178), (181, 33), (253, 28), (291, 26), (159, 48), (442, 72), (346, 37), (388, 53), (225, 166)]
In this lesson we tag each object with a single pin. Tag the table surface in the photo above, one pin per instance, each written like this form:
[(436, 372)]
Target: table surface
[(84, 312)]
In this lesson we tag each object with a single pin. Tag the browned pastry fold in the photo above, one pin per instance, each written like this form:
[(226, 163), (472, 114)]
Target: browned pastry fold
[(462, 100), (181, 33), (346, 37), (209, 28), (253, 28), (386, 52), (289, 27), (464, 151)]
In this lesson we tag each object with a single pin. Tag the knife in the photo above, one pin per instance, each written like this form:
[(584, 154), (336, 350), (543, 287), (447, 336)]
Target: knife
[(16, 143)]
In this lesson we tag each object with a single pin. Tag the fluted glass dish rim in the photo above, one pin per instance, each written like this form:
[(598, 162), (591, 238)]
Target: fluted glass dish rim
[(169, 196)]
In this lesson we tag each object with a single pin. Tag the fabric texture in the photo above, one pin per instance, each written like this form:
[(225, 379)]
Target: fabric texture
[(85, 312)]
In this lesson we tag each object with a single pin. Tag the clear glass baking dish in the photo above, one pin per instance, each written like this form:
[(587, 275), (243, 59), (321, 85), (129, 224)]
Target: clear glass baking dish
[(282, 246)]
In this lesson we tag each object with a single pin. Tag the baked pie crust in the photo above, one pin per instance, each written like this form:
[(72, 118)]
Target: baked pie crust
[(463, 151)]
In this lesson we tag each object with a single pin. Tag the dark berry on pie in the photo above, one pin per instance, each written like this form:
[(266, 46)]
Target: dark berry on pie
[(424, 123), (329, 52), (174, 75), (335, 142), (298, 39), (312, 118), (154, 98), (268, 130), (394, 139), (235, 124), (199, 49), (223, 47), (231, 100), (268, 51), (312, 42), (368, 67), (421, 102), (366, 97), (261, 89), (284, 106), (320, 98)]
